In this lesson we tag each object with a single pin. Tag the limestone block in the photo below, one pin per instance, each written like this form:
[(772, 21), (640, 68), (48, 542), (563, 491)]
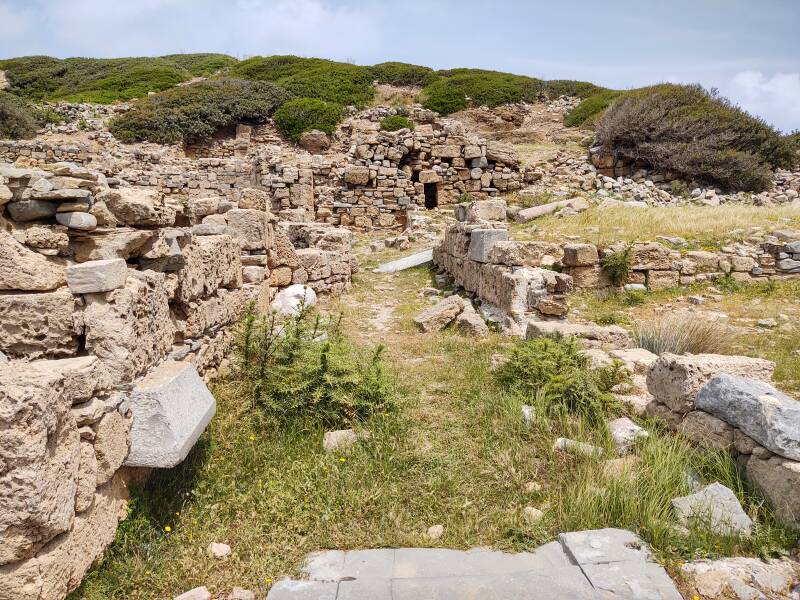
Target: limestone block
[(219, 309), (446, 151), (253, 274), (703, 428), (250, 227), (120, 242), (525, 254), (675, 380), (482, 241), (39, 325), (503, 153), (356, 175), (470, 323), (580, 255), (171, 407), (129, 329), (197, 208), (110, 445), (96, 276), (429, 176), (766, 415), (611, 335), (211, 262), (779, 479), (139, 207), (281, 276), (255, 199), (651, 255), (86, 478), (293, 299), (22, 269), (485, 210), (662, 280), (716, 506), (440, 315), (590, 277)]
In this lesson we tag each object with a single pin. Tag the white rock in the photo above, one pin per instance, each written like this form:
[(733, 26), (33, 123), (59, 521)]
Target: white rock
[(198, 593), (293, 299), (96, 276), (528, 414), (435, 532), (532, 515), (77, 220), (567, 445), (336, 440), (625, 432), (716, 506), (218, 550)]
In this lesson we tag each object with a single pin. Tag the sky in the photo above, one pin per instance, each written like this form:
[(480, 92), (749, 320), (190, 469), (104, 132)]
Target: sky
[(748, 49)]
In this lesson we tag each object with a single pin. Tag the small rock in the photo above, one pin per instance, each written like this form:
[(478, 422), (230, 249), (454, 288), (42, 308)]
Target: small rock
[(335, 440), (435, 532), (218, 550), (718, 506), (767, 323), (532, 515), (625, 432), (567, 445), (533, 486), (3, 358), (528, 414), (198, 593), (241, 594), (293, 299), (696, 300)]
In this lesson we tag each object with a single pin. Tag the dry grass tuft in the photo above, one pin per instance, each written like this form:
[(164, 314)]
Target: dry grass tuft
[(683, 333)]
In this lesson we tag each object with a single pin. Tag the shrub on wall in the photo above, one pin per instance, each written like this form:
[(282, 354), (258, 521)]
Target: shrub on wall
[(305, 114), (696, 133), (396, 122), (403, 74), (195, 112)]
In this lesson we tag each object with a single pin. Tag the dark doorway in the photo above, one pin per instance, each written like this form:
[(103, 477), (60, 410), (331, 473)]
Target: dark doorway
[(431, 196)]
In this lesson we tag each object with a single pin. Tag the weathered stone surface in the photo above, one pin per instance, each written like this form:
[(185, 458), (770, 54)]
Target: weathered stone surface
[(222, 308), (576, 447), (315, 141), (482, 241), (211, 262), (625, 433), (502, 152), (96, 276), (250, 227), (523, 254), (22, 269), (580, 255), (746, 577), (765, 414), (675, 380), (81, 221), (637, 359), (130, 329), (292, 300), (470, 323), (485, 210), (120, 242), (110, 445), (662, 280), (715, 506), (337, 440), (440, 315), (779, 479), (650, 255), (356, 175), (139, 207), (611, 335), (31, 210), (39, 325), (534, 212), (171, 407), (198, 593), (86, 479), (703, 428)]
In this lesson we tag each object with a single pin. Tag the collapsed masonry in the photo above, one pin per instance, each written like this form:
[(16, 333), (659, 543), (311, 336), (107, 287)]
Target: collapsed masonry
[(112, 301)]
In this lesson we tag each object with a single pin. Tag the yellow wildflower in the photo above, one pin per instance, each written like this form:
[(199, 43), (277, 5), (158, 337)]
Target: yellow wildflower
[(167, 528)]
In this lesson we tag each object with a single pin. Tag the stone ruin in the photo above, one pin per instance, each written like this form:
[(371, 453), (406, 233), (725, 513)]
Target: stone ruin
[(114, 301)]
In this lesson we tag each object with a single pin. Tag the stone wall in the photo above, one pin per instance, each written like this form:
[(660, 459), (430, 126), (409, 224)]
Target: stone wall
[(727, 402), (504, 274), (107, 293)]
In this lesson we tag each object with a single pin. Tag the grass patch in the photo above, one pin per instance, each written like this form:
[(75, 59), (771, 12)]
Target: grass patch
[(304, 114), (193, 113), (702, 226), (683, 333), (702, 136), (591, 108)]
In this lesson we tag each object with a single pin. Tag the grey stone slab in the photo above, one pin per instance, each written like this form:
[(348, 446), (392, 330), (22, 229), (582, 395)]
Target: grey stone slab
[(718, 506), (288, 589), (327, 565), (171, 407), (408, 262), (368, 588), (441, 562), (632, 581), (374, 564), (521, 586), (481, 242), (765, 414), (603, 546)]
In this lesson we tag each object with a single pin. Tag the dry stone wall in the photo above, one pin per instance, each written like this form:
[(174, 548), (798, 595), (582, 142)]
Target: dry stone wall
[(108, 293)]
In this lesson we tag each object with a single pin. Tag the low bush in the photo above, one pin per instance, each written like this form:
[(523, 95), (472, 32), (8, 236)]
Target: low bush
[(331, 81), (568, 87), (304, 367), (305, 114), (593, 107), (403, 74), (17, 119), (457, 88), (195, 112), (683, 333), (555, 374), (617, 265), (696, 133), (104, 80), (396, 122)]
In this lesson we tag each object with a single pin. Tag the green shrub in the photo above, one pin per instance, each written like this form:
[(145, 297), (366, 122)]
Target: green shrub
[(103, 80), (682, 333), (305, 114), (17, 119), (443, 98), (457, 87), (403, 74), (304, 367), (617, 265), (696, 133), (340, 83), (396, 122), (555, 373), (593, 107), (195, 112), (568, 87)]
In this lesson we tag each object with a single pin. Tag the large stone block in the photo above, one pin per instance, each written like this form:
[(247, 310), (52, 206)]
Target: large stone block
[(580, 255), (130, 329), (96, 276), (139, 207), (23, 269), (482, 241), (485, 210), (779, 479), (717, 507), (675, 380), (650, 255), (611, 335), (522, 254), (171, 407), (440, 315), (120, 242), (356, 175), (39, 325), (768, 416), (250, 227), (212, 262), (221, 308)]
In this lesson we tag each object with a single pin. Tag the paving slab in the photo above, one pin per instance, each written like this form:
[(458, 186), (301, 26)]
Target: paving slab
[(408, 262)]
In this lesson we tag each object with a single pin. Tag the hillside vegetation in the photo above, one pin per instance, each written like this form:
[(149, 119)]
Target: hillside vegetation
[(696, 133)]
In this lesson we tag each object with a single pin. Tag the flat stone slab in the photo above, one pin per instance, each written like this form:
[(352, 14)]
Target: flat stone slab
[(171, 407), (408, 262), (591, 565)]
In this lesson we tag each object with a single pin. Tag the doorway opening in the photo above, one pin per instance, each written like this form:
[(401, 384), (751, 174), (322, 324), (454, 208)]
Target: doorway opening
[(431, 196)]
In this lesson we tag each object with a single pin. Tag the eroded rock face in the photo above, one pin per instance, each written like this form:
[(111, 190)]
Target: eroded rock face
[(675, 380), (212, 262), (130, 329), (22, 269), (441, 315), (139, 207), (779, 479), (40, 324)]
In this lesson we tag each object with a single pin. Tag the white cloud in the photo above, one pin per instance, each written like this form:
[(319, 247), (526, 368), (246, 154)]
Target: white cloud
[(776, 98)]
